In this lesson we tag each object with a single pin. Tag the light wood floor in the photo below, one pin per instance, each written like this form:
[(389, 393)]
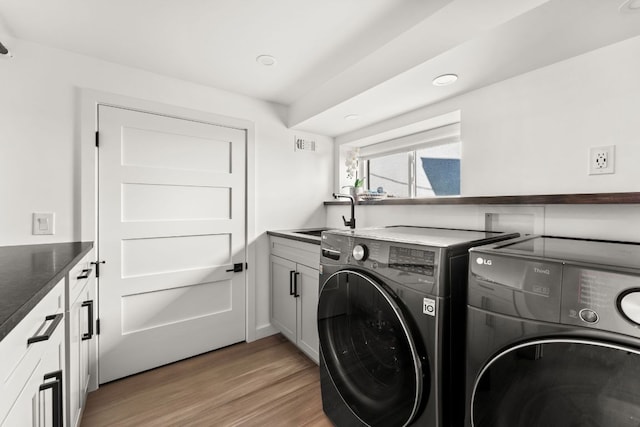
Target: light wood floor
[(264, 383)]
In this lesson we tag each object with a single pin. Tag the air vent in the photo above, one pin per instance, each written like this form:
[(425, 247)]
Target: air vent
[(304, 144)]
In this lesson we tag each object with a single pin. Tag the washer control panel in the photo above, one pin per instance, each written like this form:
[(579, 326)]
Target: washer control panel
[(412, 260), (413, 265)]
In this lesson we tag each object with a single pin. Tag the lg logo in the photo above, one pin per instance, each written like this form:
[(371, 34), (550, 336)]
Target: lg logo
[(482, 261)]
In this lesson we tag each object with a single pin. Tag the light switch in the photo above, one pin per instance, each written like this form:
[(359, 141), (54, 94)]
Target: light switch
[(43, 223)]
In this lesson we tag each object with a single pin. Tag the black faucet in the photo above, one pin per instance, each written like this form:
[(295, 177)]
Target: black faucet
[(352, 222)]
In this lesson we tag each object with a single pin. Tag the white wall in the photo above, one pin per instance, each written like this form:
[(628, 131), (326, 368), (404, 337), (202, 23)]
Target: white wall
[(39, 147), (531, 134)]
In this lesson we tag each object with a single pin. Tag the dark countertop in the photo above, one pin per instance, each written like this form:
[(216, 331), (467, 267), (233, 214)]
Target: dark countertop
[(29, 272), (301, 235)]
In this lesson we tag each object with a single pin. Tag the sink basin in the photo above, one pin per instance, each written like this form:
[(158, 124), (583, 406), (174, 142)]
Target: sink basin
[(314, 232)]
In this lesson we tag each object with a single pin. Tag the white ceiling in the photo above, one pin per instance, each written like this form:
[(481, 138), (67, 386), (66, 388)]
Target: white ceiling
[(374, 58)]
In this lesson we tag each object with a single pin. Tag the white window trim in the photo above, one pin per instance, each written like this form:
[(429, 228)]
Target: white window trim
[(448, 134)]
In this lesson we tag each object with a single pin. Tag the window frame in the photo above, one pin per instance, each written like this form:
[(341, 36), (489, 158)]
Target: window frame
[(410, 143), (411, 153)]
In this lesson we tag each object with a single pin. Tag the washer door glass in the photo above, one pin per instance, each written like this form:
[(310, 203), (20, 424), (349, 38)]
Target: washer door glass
[(368, 350), (559, 383)]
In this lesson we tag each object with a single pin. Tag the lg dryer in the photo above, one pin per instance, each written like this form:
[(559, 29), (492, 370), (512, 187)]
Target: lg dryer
[(554, 334), (391, 325)]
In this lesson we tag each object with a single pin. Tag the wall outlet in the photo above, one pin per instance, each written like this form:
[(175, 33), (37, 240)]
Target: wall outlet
[(602, 160), (43, 223)]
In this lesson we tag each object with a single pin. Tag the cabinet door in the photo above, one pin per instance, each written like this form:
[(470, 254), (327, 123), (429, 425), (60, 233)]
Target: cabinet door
[(307, 284), (283, 303), (35, 406), (74, 349), (25, 410), (81, 351), (51, 371), (87, 341), (92, 343)]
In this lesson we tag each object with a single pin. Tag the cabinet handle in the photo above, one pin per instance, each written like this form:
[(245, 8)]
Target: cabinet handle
[(56, 392), (291, 273), (89, 305), (52, 327), (85, 274), (295, 285)]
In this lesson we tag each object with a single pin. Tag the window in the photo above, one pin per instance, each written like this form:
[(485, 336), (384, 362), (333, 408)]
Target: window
[(419, 172), (391, 173)]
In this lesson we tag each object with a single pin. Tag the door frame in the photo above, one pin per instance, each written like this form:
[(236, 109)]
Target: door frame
[(89, 100)]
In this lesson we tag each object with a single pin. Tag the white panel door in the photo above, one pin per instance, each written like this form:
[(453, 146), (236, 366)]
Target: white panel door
[(171, 196)]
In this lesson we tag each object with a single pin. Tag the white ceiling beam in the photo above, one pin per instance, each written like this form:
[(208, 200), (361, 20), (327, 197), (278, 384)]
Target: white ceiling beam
[(456, 22)]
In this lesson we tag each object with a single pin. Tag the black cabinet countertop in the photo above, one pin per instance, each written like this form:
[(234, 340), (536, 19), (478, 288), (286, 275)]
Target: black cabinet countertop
[(29, 272)]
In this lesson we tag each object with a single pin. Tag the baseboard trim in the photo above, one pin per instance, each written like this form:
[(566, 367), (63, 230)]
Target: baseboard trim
[(264, 331)]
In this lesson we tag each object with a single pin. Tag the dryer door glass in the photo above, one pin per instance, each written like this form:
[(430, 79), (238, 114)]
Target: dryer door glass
[(559, 383), (368, 350)]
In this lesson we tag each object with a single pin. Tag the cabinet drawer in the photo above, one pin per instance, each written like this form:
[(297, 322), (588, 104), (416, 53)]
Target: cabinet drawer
[(80, 275), (300, 252), (21, 358)]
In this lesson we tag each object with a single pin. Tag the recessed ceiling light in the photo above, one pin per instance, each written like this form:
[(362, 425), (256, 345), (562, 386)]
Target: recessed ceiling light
[(351, 117), (630, 6), (445, 79), (266, 60)]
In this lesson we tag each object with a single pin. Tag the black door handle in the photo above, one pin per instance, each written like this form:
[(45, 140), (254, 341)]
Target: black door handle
[(291, 273), (97, 264), (89, 334), (236, 268)]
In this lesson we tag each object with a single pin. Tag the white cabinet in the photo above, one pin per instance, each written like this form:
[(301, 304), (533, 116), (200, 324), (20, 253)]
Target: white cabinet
[(81, 342), (284, 307), (294, 292), (33, 364)]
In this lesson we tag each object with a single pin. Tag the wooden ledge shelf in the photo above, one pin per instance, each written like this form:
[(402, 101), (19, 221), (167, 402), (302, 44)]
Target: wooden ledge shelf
[(538, 199)]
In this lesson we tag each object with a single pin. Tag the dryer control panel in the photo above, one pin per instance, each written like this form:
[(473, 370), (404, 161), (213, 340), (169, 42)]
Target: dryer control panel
[(601, 299), (588, 283)]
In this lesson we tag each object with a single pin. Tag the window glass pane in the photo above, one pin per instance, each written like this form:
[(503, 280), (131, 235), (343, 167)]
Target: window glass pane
[(438, 170), (391, 173)]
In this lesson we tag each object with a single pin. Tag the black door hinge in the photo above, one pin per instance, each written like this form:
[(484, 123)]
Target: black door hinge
[(97, 139), (97, 326)]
